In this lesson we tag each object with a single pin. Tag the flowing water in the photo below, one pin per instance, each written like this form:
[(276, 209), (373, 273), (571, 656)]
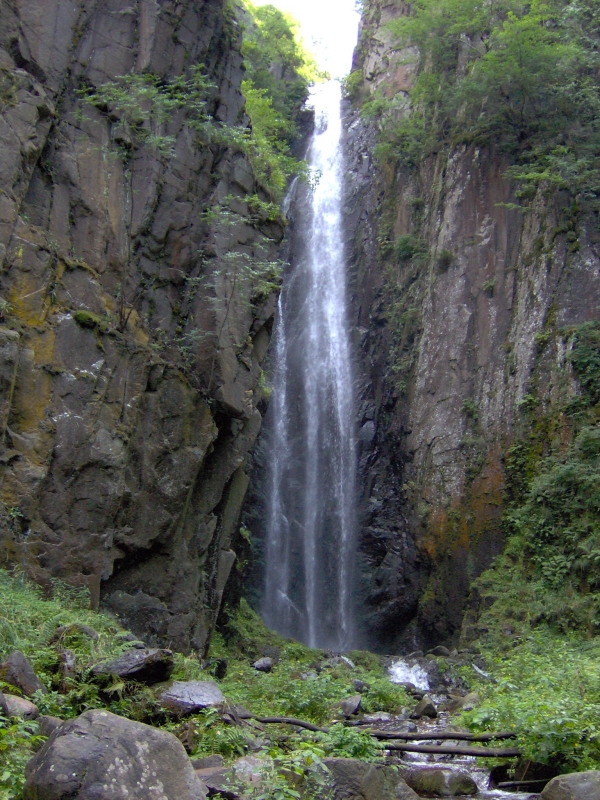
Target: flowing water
[(311, 516)]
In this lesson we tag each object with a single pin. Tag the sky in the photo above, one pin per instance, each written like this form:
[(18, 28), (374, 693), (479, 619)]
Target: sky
[(329, 28)]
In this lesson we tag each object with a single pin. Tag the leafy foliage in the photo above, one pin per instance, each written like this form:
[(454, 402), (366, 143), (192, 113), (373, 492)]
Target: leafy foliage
[(546, 688), (279, 71), (519, 75)]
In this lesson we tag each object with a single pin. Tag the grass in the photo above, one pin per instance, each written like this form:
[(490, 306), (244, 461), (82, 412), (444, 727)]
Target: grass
[(297, 686)]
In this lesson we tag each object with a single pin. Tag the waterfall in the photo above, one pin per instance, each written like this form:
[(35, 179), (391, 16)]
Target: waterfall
[(310, 548)]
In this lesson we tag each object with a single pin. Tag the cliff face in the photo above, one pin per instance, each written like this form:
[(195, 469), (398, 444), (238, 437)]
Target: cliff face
[(462, 309), (131, 336)]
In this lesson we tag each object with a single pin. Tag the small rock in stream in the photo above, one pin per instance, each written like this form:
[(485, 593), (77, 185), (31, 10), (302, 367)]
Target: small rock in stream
[(440, 781), (425, 708), (574, 786)]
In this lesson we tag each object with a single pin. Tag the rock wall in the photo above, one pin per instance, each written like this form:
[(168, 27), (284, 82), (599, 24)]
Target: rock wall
[(452, 342), (131, 337)]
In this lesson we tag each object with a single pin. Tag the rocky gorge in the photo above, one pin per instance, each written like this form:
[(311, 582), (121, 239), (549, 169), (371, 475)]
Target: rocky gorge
[(147, 151)]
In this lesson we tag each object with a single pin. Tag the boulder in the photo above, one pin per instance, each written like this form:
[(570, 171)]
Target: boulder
[(188, 697), (440, 650), (264, 664), (209, 762), (424, 708), (350, 705), (47, 724), (358, 780), (575, 786), (440, 781), (18, 672), (144, 666), (360, 686), (20, 707), (101, 755)]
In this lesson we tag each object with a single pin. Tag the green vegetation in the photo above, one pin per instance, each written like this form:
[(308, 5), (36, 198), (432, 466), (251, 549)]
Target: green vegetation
[(300, 685), (520, 76), (279, 72), (540, 623)]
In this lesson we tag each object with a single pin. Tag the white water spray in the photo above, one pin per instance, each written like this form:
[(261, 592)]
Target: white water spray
[(311, 519)]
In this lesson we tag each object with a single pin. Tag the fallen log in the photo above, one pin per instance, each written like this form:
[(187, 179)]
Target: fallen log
[(299, 723), (458, 750), (456, 735), (523, 784)]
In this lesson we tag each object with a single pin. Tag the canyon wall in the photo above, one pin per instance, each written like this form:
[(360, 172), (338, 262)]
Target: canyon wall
[(463, 308), (131, 335)]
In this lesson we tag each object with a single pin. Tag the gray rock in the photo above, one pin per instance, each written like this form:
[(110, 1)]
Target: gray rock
[(47, 724), (357, 780), (264, 664), (101, 755), (440, 781), (74, 627), (209, 762), (440, 650), (144, 666), (20, 707), (3, 705), (574, 786), (187, 697), (424, 708), (18, 672), (350, 705), (360, 686)]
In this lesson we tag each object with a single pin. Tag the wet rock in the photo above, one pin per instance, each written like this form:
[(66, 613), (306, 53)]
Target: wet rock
[(188, 697), (416, 654), (440, 650), (350, 705), (360, 686), (357, 780), (440, 781), (424, 708), (144, 666), (263, 664), (18, 672), (409, 687), (575, 786), (20, 707), (102, 755)]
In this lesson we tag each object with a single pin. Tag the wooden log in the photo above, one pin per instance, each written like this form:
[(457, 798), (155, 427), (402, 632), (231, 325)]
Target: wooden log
[(457, 750), (299, 723), (455, 735)]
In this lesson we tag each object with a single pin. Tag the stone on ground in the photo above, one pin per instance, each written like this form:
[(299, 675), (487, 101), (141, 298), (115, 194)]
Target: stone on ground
[(440, 781), (424, 708), (100, 755), (440, 650), (145, 666), (358, 780), (263, 664), (20, 707), (3, 705), (350, 705), (575, 786), (188, 697), (18, 672)]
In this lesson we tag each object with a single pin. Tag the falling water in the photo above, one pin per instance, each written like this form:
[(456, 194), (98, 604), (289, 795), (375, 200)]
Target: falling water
[(311, 520)]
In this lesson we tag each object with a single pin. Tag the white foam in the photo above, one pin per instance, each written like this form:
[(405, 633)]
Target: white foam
[(403, 672)]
